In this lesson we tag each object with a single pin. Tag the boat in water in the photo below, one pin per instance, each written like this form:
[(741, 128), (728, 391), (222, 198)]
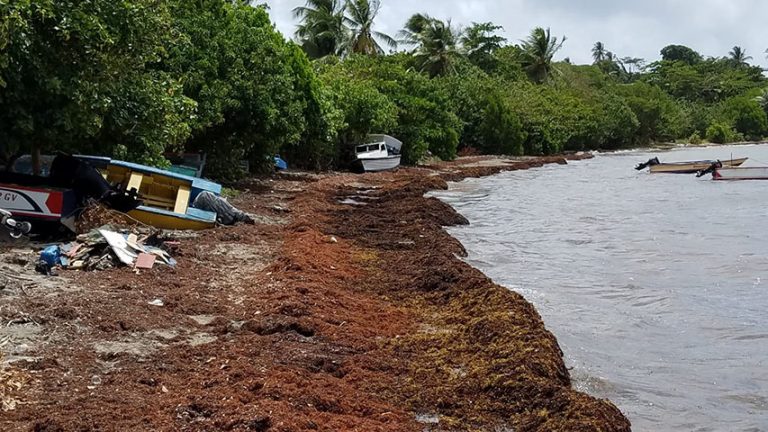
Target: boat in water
[(379, 153), (720, 171), (689, 167)]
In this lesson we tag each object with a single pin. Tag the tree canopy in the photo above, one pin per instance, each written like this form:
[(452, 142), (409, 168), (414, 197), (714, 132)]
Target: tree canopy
[(135, 79)]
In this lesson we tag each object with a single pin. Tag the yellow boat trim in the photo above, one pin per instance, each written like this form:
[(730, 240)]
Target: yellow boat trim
[(164, 221)]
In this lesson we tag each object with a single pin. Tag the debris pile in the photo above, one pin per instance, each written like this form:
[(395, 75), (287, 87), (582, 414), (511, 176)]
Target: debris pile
[(106, 247)]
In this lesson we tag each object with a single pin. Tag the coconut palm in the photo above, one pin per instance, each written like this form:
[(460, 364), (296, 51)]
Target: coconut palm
[(632, 64), (738, 56), (360, 18), (321, 31), (480, 41), (599, 52), (538, 51), (436, 43), (413, 29)]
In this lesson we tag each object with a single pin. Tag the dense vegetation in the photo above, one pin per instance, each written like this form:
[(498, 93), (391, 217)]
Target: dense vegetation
[(138, 78)]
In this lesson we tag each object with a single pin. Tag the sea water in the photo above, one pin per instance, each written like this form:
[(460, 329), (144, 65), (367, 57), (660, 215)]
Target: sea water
[(656, 286)]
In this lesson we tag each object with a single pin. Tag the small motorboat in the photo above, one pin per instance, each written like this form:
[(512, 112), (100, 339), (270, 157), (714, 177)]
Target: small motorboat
[(690, 167), (379, 153), (166, 196), (720, 171)]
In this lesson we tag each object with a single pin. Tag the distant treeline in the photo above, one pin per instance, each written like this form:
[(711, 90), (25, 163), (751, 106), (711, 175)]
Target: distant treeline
[(136, 78)]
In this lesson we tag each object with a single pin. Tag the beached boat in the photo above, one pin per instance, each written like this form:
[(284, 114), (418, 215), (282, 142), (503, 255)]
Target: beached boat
[(380, 153), (689, 167), (167, 196)]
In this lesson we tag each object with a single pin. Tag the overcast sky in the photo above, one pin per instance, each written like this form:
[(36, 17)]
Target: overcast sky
[(628, 28)]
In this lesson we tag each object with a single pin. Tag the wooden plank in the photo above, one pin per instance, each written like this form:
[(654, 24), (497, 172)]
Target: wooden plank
[(182, 200), (135, 181)]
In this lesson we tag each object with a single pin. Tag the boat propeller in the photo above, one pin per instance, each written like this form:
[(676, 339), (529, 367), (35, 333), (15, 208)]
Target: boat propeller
[(651, 162), (16, 228), (709, 170)]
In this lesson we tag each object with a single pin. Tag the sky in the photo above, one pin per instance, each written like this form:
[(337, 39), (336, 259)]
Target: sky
[(628, 28)]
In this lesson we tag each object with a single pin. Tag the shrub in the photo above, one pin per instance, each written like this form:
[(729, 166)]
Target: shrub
[(719, 133), (695, 139), (501, 130)]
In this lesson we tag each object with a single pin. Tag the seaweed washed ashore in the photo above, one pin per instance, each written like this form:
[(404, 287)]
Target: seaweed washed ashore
[(344, 308)]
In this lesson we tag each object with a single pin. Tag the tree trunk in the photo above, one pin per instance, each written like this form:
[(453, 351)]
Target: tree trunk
[(36, 168)]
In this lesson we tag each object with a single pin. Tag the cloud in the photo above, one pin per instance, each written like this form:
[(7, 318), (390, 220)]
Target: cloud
[(628, 28)]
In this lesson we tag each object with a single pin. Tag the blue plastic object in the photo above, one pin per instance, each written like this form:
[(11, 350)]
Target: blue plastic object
[(280, 164), (51, 255)]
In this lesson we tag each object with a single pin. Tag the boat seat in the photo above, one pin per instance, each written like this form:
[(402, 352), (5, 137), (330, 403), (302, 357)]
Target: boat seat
[(182, 199), (134, 182)]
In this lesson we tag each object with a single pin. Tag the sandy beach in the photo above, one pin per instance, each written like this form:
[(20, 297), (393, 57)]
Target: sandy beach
[(345, 308)]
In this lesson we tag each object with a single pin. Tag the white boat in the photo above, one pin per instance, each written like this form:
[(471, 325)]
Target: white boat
[(740, 173), (380, 153)]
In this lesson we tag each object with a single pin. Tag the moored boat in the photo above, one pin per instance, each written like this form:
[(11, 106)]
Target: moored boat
[(726, 173), (380, 153), (689, 167)]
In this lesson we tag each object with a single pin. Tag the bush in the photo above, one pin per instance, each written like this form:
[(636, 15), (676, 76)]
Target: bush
[(695, 139), (501, 130), (747, 117), (719, 133)]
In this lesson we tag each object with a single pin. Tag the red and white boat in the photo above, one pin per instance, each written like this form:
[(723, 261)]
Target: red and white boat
[(740, 173), (730, 173)]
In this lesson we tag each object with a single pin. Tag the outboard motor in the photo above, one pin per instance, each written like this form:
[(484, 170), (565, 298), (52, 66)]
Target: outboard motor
[(710, 170), (16, 228), (87, 182), (651, 162)]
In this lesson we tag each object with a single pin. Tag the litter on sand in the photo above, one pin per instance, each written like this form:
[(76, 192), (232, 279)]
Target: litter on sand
[(107, 247)]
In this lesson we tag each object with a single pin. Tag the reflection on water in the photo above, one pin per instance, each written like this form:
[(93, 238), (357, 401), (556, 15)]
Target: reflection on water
[(653, 284)]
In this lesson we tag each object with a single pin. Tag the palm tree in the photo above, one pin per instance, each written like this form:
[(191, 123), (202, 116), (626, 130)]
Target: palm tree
[(738, 56), (634, 64), (436, 44), (479, 41), (537, 53), (360, 18), (598, 52), (322, 31)]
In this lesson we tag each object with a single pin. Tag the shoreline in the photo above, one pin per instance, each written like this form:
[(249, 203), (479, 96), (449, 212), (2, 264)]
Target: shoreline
[(346, 308)]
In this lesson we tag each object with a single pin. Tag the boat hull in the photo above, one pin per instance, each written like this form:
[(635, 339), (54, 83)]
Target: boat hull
[(740, 173), (379, 164), (171, 221), (692, 167), (167, 196)]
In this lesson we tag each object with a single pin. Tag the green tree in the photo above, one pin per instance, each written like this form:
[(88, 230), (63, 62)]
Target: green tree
[(720, 133), (599, 52), (321, 31), (480, 41), (746, 116), (361, 16), (436, 42), (83, 79), (538, 50), (253, 89), (501, 129), (739, 57), (680, 53)]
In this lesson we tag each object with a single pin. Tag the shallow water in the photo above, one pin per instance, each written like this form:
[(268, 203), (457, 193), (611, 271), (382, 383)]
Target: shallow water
[(656, 286)]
